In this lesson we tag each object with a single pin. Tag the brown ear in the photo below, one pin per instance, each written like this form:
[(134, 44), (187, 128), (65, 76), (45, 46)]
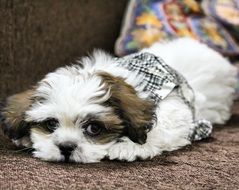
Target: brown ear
[(135, 113), (12, 114)]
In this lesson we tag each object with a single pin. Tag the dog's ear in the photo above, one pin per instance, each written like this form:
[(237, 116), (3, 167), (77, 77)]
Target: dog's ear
[(12, 114), (135, 112)]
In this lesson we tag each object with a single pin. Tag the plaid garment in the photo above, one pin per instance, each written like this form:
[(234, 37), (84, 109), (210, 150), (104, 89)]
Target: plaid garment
[(159, 80)]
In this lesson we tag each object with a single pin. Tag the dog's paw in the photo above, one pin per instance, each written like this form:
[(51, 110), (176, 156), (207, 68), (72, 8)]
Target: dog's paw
[(127, 150)]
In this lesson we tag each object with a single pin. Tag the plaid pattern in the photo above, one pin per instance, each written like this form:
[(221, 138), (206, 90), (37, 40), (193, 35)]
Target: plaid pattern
[(159, 80), (202, 129)]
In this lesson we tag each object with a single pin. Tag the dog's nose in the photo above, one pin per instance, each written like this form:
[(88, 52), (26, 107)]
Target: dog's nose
[(66, 149)]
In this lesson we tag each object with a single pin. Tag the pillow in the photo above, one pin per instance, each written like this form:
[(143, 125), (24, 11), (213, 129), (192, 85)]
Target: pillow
[(227, 12), (149, 21)]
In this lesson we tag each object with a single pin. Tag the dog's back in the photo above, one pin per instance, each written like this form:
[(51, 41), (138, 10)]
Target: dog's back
[(211, 75)]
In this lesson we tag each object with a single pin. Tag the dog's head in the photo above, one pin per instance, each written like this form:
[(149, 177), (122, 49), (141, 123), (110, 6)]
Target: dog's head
[(77, 113)]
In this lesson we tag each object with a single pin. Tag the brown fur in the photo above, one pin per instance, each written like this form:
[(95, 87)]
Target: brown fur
[(134, 112), (13, 114)]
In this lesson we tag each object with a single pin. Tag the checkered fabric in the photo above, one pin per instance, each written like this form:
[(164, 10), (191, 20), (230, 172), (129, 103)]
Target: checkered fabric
[(159, 80), (203, 129)]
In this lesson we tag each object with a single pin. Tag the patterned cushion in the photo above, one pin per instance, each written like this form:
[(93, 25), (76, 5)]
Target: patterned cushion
[(149, 21), (227, 12)]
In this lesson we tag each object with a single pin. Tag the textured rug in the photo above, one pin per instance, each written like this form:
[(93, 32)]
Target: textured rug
[(209, 164)]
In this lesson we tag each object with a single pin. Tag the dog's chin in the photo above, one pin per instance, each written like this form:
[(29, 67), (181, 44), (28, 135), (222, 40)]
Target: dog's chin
[(85, 152), (76, 157)]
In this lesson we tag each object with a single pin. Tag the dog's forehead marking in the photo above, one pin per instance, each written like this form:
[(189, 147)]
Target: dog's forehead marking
[(67, 121)]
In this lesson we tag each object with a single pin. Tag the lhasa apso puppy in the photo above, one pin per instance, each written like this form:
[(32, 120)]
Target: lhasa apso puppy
[(129, 108)]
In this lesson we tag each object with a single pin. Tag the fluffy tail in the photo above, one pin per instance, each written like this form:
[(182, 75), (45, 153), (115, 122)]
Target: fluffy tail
[(211, 76)]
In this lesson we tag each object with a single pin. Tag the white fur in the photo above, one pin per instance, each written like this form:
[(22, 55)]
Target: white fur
[(69, 93)]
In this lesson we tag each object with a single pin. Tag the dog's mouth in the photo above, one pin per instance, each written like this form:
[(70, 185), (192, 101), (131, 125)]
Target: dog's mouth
[(67, 158)]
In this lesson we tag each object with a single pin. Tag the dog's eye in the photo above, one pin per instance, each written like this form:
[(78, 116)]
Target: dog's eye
[(51, 124), (93, 128)]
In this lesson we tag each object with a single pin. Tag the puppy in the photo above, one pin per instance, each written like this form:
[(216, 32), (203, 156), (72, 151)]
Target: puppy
[(138, 106)]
